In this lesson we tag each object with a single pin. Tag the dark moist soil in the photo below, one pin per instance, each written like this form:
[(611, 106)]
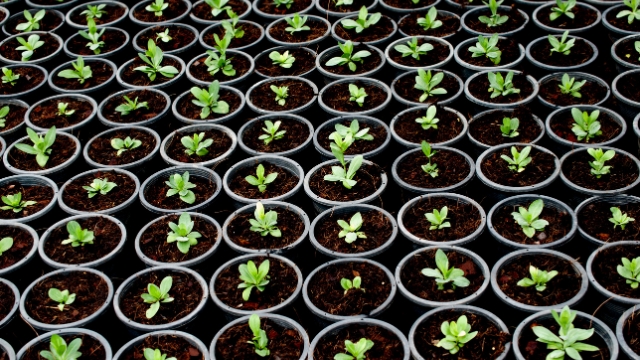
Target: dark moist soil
[(180, 37), (487, 128), (624, 172), (22, 244), (203, 11), (236, 342), (386, 345), (8, 299), (368, 177), (221, 143), (437, 55), (113, 39), (630, 332), (101, 151), (534, 350), (449, 127), (581, 52), (155, 101), (327, 294), (337, 97), (46, 114), (594, 220), (318, 29), (283, 281), (43, 195), (540, 168), (100, 73), (91, 347), (368, 63), (605, 272), (241, 64), (379, 134), (622, 23), (284, 182), (562, 123), (61, 151), (331, 5), (48, 2), (627, 52), (107, 236), (192, 111), (478, 88), (404, 87), (30, 77), (51, 45), (583, 18), (156, 192), (300, 93), (114, 13), (251, 34), (408, 4), (185, 290), (376, 226), (49, 22), (630, 86), (592, 93), (510, 53), (453, 168), (305, 62), (381, 30), (76, 197), (14, 118), (91, 292), (138, 78), (290, 224), (488, 344), (515, 21), (463, 217), (153, 242), (296, 134), (561, 288), (410, 26), (172, 345), (269, 7), (175, 9), (559, 225)]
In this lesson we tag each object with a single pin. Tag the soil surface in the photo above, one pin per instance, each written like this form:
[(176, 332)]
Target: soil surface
[(453, 168), (629, 86), (176, 150), (188, 109), (112, 38), (318, 29), (172, 345), (305, 61), (270, 7), (299, 94), (155, 193), (386, 344), (289, 222), (138, 78), (367, 64), (180, 37), (584, 17), (91, 348), (581, 52), (410, 26), (405, 88), (486, 129), (22, 244), (9, 299), (510, 53), (29, 78), (449, 126), (296, 133), (107, 236), (463, 217), (408, 4), (236, 342), (605, 272), (203, 11), (630, 331), (49, 22), (478, 88), (594, 220), (376, 226), (14, 118), (592, 93), (540, 168), (354, 7), (368, 179), (379, 134), (284, 182), (46, 114), (155, 101), (101, 151), (251, 35), (624, 172), (562, 123), (516, 20), (61, 151), (42, 195), (241, 64), (435, 56), (175, 9), (622, 23), (113, 13), (381, 30), (559, 224), (338, 97), (76, 197), (101, 72), (51, 45)]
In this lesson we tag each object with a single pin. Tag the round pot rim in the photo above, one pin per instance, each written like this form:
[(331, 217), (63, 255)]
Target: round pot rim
[(414, 72), (31, 4), (618, 60), (36, 61), (303, 43), (387, 53), (28, 257), (239, 48), (366, 119), (165, 84), (622, 342), (627, 301), (40, 213), (72, 92), (609, 26), (636, 125), (171, 24), (17, 96), (376, 42), (8, 349), (108, 2), (190, 338), (286, 48), (217, 121), (464, 64), (32, 11), (337, 14), (70, 330), (143, 123), (618, 95), (333, 76), (490, 105), (74, 127), (553, 30), (408, 144), (298, 109), (614, 115), (178, 18), (14, 308), (285, 153), (484, 146), (201, 21), (94, 164), (199, 127), (503, 8), (101, 55), (440, 13), (272, 17), (403, 11), (199, 82), (577, 75), (554, 68), (369, 81), (15, 129), (582, 205), (57, 168)]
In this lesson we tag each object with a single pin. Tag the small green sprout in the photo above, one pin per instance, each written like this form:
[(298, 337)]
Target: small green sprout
[(561, 46), (101, 186), (570, 86), (62, 109), (339, 144), (428, 83), (124, 145), (155, 354), (4, 112), (357, 94), (218, 62), (286, 3), (230, 28), (562, 8), (351, 284), (41, 145), (636, 45), (179, 184), (509, 127), (413, 49), (60, 350), (253, 277), (128, 106), (164, 36), (182, 233), (218, 6), (567, 342), (272, 131), (265, 223), (33, 21), (156, 295), (363, 22), (93, 35), (77, 235), (282, 92), (29, 46), (353, 130), (197, 144), (344, 175), (598, 168), (14, 202), (429, 121), (488, 48), (528, 219), (519, 160), (633, 13), (351, 230), (153, 58), (260, 180), (285, 59), (494, 19), (5, 244), (501, 86), (343, 2), (355, 351), (94, 11), (429, 22), (209, 100), (437, 219), (348, 57), (9, 77), (539, 278), (260, 339), (619, 218), (444, 274), (79, 71), (61, 297), (156, 7), (430, 168), (630, 270), (296, 23), (457, 334), (586, 126)]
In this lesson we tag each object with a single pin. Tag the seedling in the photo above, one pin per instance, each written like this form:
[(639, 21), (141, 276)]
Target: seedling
[(353, 130), (456, 334), (357, 94), (429, 22), (60, 350), (343, 2), (570, 86), (586, 126), (61, 297), (77, 235), (509, 127), (355, 351), (156, 295), (4, 111), (253, 277), (528, 219), (636, 45), (182, 233), (619, 218), (499, 86), (260, 180), (285, 59), (179, 184), (428, 83), (101, 186), (296, 23), (129, 106), (598, 168), (561, 46), (413, 49), (430, 168), (218, 62), (351, 284), (41, 147), (429, 121), (230, 28), (494, 19), (272, 131), (351, 230), (344, 175), (519, 160), (630, 270), (164, 36), (444, 274), (282, 92), (14, 202), (633, 13), (94, 11), (437, 219), (265, 223), (93, 35), (9, 77), (63, 111), (124, 145), (348, 57), (363, 22), (539, 278), (79, 71), (5, 244), (260, 339), (487, 47), (286, 3), (567, 342), (339, 144), (33, 21), (29, 46), (155, 354), (156, 7), (562, 8), (218, 6), (153, 58), (196, 144), (209, 101)]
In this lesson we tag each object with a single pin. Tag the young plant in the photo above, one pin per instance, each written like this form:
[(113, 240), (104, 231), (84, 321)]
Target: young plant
[(182, 233), (282, 92), (272, 131), (285, 59), (5, 244), (14, 202), (363, 22), (101, 186), (286, 3), (429, 22), (41, 147), (218, 62), (519, 160), (488, 48), (265, 223), (156, 7), (156, 295), (296, 23), (9, 77), (357, 94), (437, 219), (633, 13), (456, 334), (567, 342), (429, 121), (218, 6), (428, 83), (164, 36), (260, 180), (598, 168), (342, 174), (4, 112), (155, 354), (355, 351), (351, 230), (230, 28), (444, 274), (128, 106), (77, 235), (253, 277), (94, 11), (197, 144), (153, 58), (179, 184), (63, 111), (561, 46), (61, 297), (413, 49), (586, 126), (494, 19), (528, 219), (351, 284), (619, 218), (570, 86), (209, 101), (562, 8), (33, 21), (260, 339), (630, 270), (29, 46), (343, 2), (79, 71), (124, 145), (539, 278), (636, 46), (430, 168), (509, 127), (353, 130), (59, 350), (93, 35), (348, 57), (499, 86)]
